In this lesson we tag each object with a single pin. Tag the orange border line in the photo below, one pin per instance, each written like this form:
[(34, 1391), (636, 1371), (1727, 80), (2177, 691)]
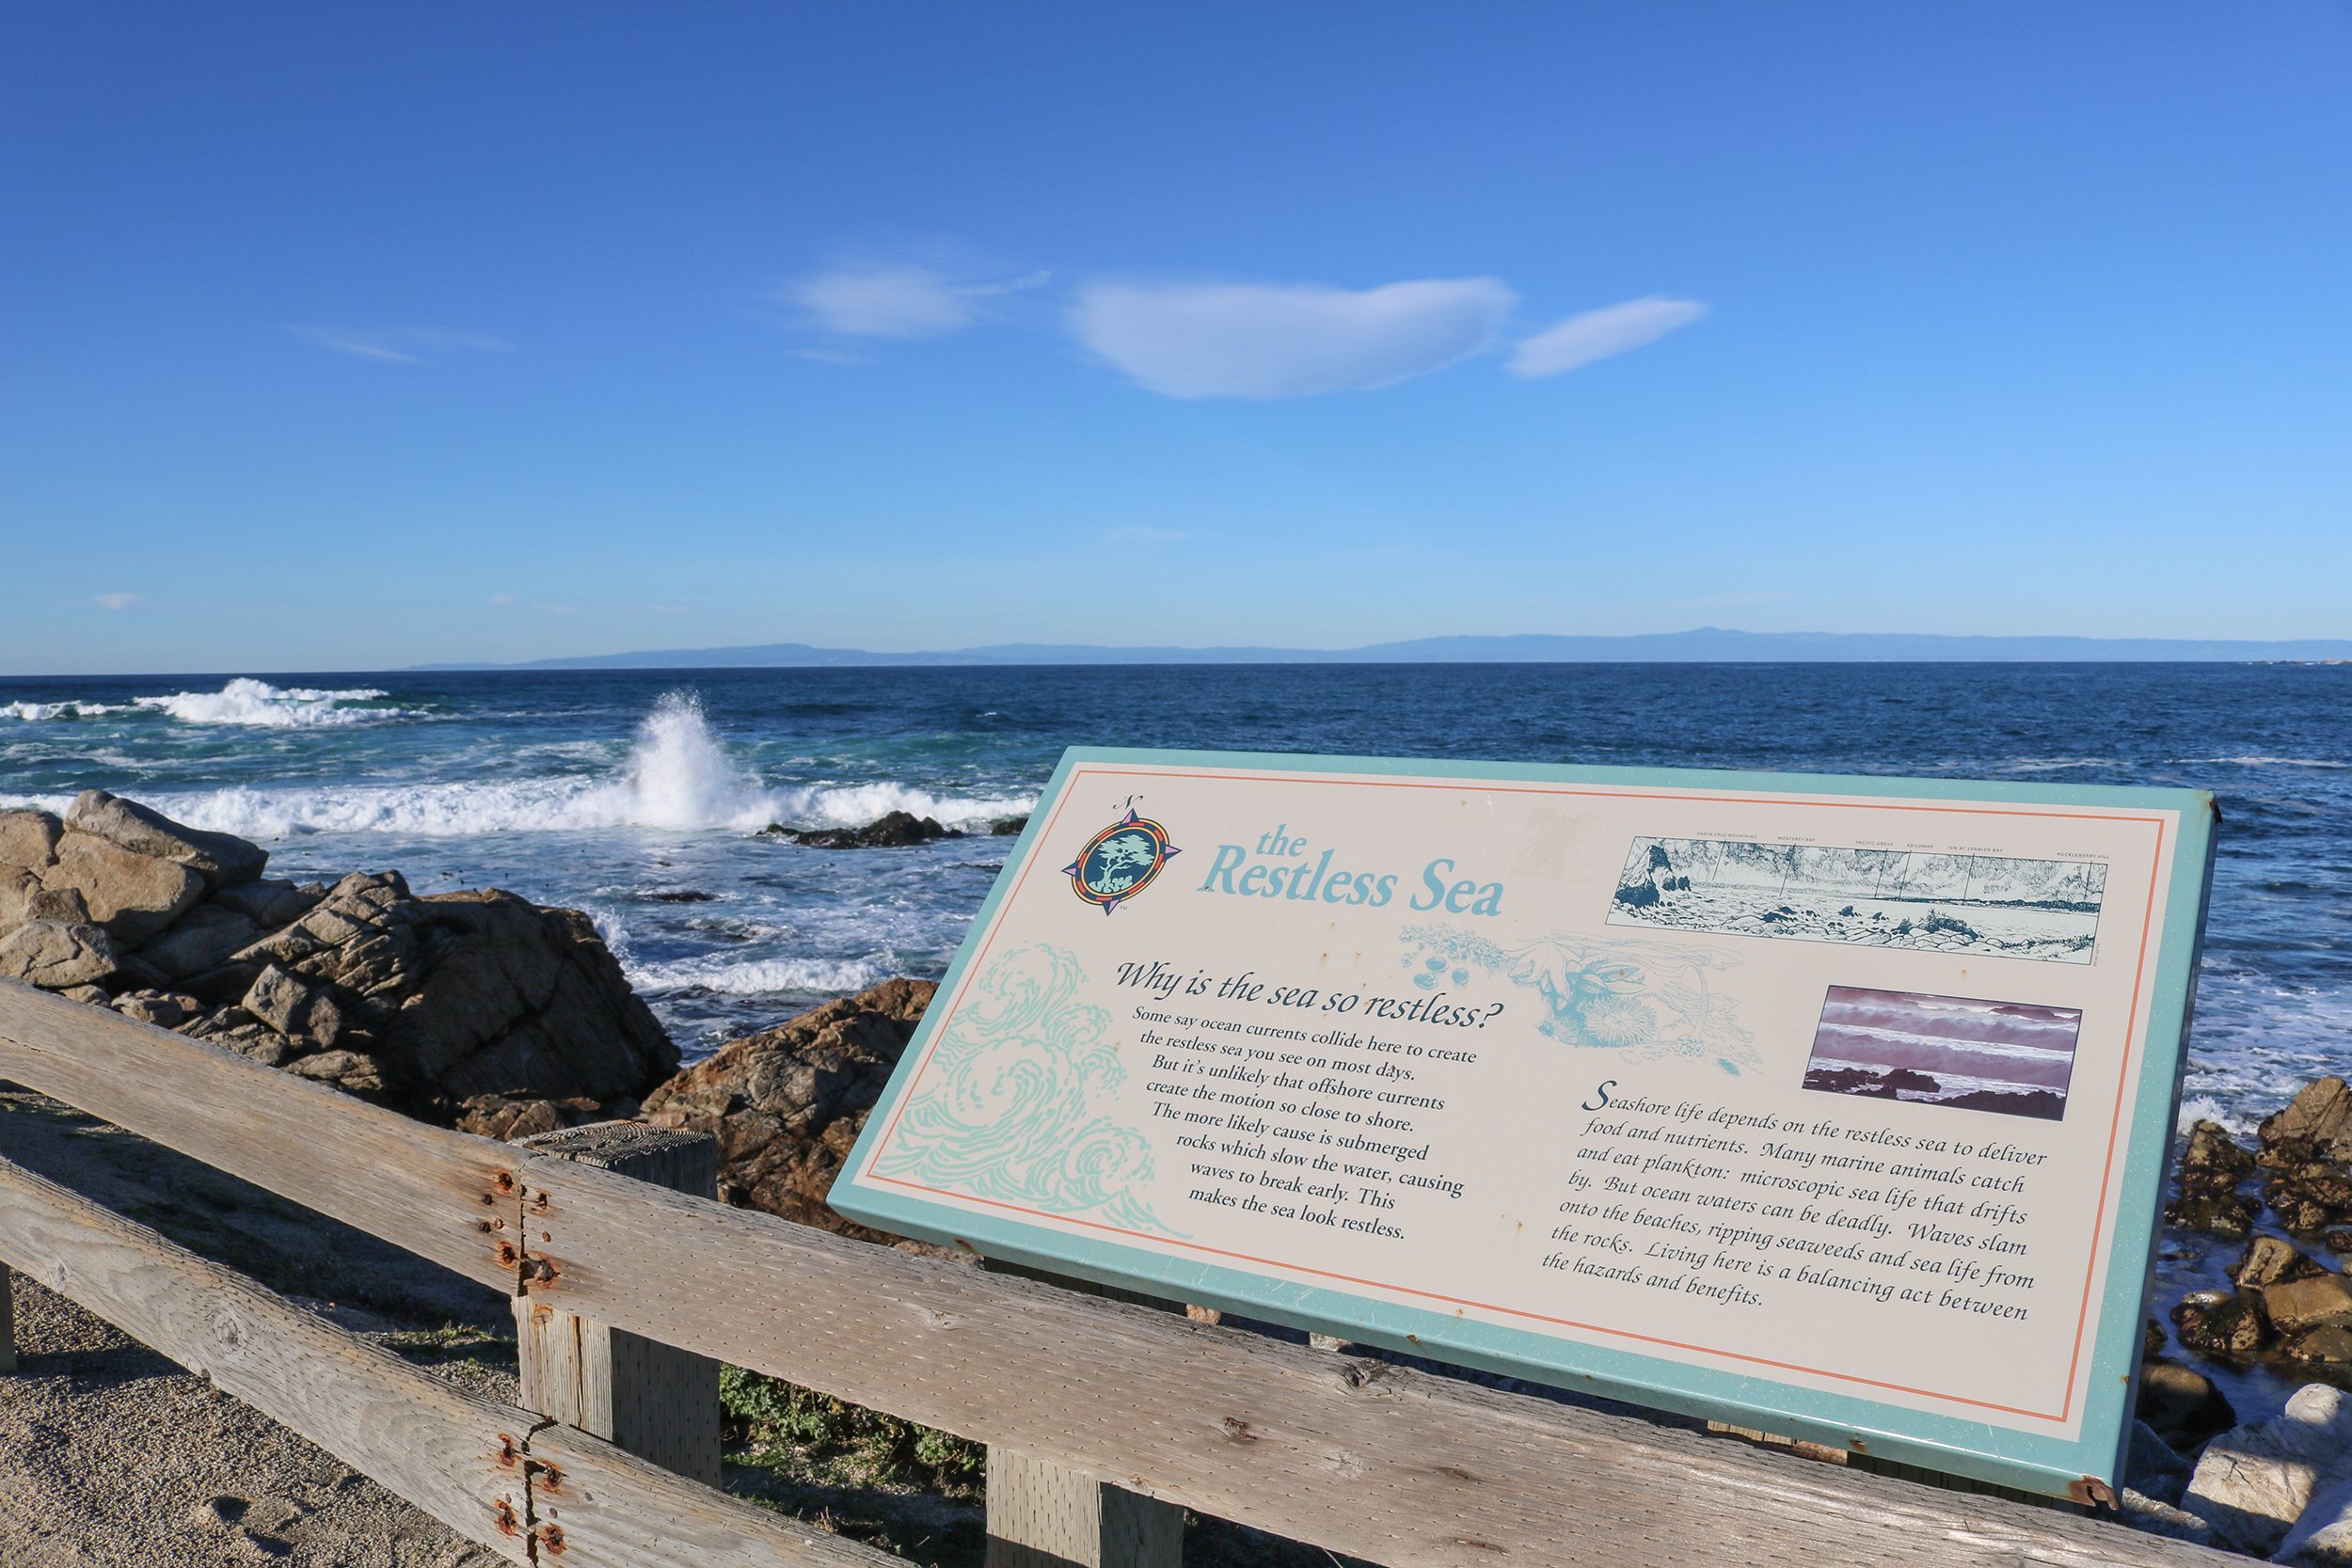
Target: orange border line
[(2114, 1129)]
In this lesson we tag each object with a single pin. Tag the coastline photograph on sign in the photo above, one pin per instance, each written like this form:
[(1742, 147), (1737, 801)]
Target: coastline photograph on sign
[(1950, 1050), (1370, 1048)]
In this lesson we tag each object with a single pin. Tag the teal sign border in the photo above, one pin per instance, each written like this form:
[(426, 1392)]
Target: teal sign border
[(2032, 1462)]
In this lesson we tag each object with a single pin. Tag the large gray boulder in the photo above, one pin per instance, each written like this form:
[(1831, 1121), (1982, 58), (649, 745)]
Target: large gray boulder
[(2253, 1482), (57, 954), (222, 860), (135, 896)]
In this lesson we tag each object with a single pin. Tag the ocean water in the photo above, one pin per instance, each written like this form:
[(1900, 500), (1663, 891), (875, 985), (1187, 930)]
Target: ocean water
[(636, 797)]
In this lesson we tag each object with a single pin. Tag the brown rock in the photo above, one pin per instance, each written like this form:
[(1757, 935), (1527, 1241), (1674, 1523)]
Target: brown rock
[(135, 896), (204, 939), (57, 954), (2268, 1260), (163, 1009), (503, 1116), (786, 1105), (269, 905), (2210, 1148), (348, 1070), (291, 1007), (24, 897), (2295, 1304), (96, 996), (2227, 1215), (2183, 1405), (2331, 1345), (2321, 1115), (2220, 1323), (891, 831), (221, 860), (472, 993), (29, 838)]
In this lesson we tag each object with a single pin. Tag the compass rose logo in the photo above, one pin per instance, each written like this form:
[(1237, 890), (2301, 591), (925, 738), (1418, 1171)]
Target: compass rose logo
[(1119, 862)]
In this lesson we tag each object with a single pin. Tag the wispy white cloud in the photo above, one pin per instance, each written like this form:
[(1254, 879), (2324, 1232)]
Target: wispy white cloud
[(501, 598), (1285, 340), (401, 345), (115, 601), (1140, 534), (901, 299), (1597, 334)]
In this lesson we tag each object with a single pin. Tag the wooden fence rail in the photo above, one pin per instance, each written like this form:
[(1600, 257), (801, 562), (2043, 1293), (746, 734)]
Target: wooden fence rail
[(1360, 1456)]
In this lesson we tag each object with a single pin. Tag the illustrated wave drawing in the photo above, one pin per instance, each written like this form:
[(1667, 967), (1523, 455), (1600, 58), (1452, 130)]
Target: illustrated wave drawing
[(1997, 904), (1649, 1000), (1023, 1072)]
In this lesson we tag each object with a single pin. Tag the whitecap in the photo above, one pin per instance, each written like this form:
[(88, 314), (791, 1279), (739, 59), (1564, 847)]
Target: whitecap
[(245, 701), (44, 712), (759, 976)]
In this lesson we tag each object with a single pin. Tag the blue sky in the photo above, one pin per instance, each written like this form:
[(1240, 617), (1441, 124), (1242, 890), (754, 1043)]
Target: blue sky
[(341, 337)]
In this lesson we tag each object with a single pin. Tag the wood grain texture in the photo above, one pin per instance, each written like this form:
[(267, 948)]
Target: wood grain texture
[(8, 1322), (1396, 1466), (433, 1192), (608, 1508), (422, 1439), (1042, 1516), (1360, 1456), (653, 1400)]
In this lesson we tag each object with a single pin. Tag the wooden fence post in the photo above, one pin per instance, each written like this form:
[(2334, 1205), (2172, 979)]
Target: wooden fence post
[(1042, 1516), (8, 1323), (655, 1401)]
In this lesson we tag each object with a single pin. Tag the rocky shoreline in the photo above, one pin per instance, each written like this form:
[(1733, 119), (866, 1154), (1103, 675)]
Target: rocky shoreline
[(484, 1011)]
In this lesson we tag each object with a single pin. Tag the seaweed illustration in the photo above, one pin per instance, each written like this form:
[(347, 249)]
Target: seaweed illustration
[(1647, 1000), (1017, 1111)]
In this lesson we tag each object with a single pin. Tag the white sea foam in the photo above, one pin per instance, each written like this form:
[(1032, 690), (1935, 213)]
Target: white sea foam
[(245, 700), (679, 777), (759, 976)]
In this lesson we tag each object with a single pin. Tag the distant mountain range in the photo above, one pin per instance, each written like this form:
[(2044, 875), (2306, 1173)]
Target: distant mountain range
[(1707, 644)]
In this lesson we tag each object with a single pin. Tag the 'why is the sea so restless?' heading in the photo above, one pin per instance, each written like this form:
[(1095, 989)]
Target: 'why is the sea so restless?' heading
[(1281, 869)]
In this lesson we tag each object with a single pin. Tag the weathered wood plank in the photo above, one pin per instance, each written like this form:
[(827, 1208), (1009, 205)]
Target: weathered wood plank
[(422, 1439), (653, 1400), (435, 1193), (1042, 1516), (1386, 1464), (610, 1509), (7, 1321)]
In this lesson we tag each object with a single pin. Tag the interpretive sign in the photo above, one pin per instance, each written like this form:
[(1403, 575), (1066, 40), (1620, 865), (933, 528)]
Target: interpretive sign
[(1836, 1107)]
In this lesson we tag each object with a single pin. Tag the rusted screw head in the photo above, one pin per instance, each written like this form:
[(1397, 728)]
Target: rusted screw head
[(507, 1253), (551, 1537)]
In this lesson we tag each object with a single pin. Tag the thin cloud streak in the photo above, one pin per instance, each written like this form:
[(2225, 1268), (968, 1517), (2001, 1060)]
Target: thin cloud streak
[(115, 601), (1612, 330), (1260, 340), (896, 300), (401, 345)]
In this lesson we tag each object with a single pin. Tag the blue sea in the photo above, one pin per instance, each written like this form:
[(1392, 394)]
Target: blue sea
[(636, 797)]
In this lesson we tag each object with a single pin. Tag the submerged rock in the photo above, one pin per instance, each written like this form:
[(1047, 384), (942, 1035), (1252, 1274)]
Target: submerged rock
[(2181, 1404), (892, 830)]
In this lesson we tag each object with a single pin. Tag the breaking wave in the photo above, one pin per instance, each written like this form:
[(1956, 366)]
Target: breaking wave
[(678, 777), (759, 976), (43, 712), (245, 700)]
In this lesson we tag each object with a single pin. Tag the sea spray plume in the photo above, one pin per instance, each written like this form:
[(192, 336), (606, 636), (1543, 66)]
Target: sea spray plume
[(680, 776)]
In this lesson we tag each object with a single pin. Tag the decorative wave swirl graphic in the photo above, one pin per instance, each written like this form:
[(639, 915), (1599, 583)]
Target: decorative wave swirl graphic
[(1016, 1108)]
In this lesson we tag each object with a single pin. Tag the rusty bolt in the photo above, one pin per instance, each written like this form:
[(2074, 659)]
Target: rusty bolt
[(538, 1268), (503, 1516), (551, 1477), (482, 1226), (551, 1537), (507, 1253), (505, 1182), (1239, 1430), (489, 1198), (506, 1451)]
